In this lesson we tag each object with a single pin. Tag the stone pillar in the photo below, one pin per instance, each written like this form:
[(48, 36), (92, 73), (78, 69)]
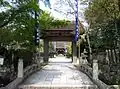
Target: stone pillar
[(20, 68), (107, 56), (114, 58), (95, 69), (84, 55), (46, 50), (55, 46), (74, 52)]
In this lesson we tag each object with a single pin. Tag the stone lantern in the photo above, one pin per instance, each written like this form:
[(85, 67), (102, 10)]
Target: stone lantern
[(84, 57), (1, 60)]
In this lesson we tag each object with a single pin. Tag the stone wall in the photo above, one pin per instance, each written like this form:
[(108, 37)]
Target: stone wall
[(109, 67), (88, 70)]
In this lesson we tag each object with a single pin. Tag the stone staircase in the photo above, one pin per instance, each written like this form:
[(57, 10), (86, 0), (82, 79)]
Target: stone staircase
[(58, 87)]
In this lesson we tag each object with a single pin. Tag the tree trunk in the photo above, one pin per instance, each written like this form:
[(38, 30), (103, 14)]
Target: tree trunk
[(88, 41), (111, 55), (110, 59), (119, 4), (116, 56)]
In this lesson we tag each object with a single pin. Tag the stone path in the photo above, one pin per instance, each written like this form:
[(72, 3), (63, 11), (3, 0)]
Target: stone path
[(58, 73)]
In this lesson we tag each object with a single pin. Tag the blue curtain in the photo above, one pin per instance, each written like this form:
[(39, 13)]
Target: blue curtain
[(76, 22)]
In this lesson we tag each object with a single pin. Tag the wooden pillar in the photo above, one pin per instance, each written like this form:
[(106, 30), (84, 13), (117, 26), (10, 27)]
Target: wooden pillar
[(46, 50), (74, 52)]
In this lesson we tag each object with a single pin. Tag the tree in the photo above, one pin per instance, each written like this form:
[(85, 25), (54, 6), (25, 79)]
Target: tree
[(103, 17), (17, 7), (69, 51)]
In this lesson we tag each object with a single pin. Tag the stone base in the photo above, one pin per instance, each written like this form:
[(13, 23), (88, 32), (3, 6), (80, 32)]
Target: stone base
[(84, 61), (74, 59), (45, 60), (59, 87)]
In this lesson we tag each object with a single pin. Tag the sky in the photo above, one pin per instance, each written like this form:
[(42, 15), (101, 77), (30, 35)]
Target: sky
[(53, 13), (63, 8), (42, 6)]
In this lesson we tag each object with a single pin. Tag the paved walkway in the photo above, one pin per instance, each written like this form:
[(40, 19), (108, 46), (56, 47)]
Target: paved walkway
[(59, 72)]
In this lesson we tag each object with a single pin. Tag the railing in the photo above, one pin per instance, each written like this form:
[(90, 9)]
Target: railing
[(30, 69), (116, 86), (89, 71), (27, 71)]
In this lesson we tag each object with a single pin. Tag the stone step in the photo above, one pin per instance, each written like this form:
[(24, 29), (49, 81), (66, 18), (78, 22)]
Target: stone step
[(58, 87)]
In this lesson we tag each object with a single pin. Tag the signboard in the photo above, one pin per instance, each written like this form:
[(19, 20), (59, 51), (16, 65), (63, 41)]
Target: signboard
[(59, 33), (1, 61)]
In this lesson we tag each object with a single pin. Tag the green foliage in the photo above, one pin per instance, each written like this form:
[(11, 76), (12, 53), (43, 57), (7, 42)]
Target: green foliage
[(102, 16), (51, 47), (69, 52), (4, 3), (60, 23), (19, 6), (45, 21), (104, 19), (5, 36), (81, 42), (48, 22)]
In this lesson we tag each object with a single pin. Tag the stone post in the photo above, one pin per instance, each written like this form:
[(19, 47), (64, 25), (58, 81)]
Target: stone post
[(46, 50), (20, 68), (95, 69), (114, 58), (107, 56), (85, 60)]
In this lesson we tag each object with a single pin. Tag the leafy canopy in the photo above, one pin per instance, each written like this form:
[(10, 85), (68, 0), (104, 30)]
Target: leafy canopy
[(103, 16)]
